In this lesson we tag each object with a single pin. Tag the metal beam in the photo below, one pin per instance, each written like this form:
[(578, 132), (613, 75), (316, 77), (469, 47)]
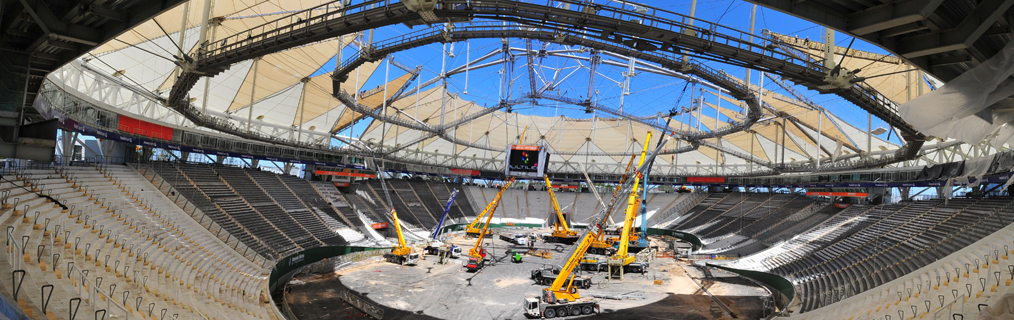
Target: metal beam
[(962, 36), (890, 15)]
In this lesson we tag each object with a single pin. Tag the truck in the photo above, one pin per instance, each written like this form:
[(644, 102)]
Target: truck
[(547, 277), (408, 259), (475, 264), (592, 265), (453, 250), (518, 239), (535, 308), (537, 273)]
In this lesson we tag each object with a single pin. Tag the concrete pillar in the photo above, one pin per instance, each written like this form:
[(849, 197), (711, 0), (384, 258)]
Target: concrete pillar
[(308, 170)]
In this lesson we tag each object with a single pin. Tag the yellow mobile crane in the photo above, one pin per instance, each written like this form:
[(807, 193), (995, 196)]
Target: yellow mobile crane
[(476, 255), (621, 260), (401, 253), (561, 233), (562, 297)]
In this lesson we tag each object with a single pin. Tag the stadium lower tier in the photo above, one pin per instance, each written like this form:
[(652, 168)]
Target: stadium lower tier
[(92, 241), (878, 260)]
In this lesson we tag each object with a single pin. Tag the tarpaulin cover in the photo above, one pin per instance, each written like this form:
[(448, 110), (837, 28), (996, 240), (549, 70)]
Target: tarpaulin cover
[(930, 172), (1002, 162), (975, 168), (979, 166), (951, 170), (970, 108)]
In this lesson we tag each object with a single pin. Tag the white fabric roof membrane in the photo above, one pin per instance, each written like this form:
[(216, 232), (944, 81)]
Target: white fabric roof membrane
[(972, 107), (293, 90)]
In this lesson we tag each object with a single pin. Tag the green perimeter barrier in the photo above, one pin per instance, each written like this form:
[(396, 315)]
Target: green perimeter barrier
[(787, 293), (285, 267), (688, 237)]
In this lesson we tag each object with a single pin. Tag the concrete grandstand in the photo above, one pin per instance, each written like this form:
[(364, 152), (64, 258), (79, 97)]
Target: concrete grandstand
[(463, 159)]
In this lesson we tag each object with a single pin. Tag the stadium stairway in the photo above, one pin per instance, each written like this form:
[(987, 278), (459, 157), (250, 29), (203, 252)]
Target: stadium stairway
[(117, 251)]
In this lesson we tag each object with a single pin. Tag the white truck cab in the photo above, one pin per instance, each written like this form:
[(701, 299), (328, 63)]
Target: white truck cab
[(520, 239), (532, 307), (412, 259)]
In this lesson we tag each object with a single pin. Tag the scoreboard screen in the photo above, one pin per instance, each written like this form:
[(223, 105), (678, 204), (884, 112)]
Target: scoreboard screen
[(526, 161)]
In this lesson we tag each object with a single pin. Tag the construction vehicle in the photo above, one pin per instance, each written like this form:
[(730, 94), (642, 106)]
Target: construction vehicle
[(453, 250), (561, 231), (472, 229), (447, 208), (433, 246), (401, 253), (475, 263), (636, 242), (518, 239), (477, 256), (516, 257), (547, 277), (592, 265), (562, 297), (622, 261)]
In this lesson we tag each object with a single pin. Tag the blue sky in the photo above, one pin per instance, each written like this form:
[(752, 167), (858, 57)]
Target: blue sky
[(649, 93)]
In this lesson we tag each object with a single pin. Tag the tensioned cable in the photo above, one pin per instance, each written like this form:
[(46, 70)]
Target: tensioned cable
[(146, 39), (169, 37), (143, 49)]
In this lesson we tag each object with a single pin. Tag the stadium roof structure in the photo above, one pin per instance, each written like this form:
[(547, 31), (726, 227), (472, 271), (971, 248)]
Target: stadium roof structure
[(345, 93)]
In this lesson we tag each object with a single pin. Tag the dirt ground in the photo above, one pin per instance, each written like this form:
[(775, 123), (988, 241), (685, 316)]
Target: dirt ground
[(432, 291)]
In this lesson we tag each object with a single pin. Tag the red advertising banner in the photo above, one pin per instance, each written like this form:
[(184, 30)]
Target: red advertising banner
[(706, 179), (563, 186), (379, 225), (837, 194), (341, 184), (465, 172), (842, 205), (144, 128)]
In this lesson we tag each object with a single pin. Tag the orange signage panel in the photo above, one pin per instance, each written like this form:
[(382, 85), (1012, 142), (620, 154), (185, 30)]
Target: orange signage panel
[(379, 225), (344, 174)]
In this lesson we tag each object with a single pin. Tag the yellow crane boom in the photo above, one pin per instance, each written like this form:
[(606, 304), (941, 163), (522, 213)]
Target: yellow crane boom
[(401, 249), (561, 221), (616, 191), (621, 254), (562, 288), (476, 250), (473, 228)]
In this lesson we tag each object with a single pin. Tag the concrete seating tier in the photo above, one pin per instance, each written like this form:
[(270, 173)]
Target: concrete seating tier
[(116, 246), (725, 208), (901, 239), (970, 281), (273, 214)]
